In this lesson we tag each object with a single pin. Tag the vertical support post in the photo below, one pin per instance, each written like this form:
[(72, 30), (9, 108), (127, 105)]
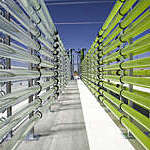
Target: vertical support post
[(72, 66), (47, 78), (30, 99), (81, 58), (131, 74), (130, 103), (8, 66), (109, 73), (87, 67), (8, 86), (78, 63), (60, 74), (8, 90), (82, 54), (71, 61), (90, 62)]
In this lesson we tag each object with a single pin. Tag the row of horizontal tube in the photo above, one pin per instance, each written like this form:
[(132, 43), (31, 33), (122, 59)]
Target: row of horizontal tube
[(117, 66), (34, 40)]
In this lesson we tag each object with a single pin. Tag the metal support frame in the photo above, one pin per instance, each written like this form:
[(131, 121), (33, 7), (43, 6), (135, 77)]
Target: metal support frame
[(30, 84), (46, 60), (8, 66), (130, 103)]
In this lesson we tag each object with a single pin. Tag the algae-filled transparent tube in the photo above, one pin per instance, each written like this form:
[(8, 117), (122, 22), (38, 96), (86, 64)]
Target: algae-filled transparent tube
[(18, 116), (18, 13), (22, 74), (18, 96), (17, 53), (135, 12), (16, 32)]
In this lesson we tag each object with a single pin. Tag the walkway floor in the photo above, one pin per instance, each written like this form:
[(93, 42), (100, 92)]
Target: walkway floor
[(103, 133), (79, 122), (63, 129)]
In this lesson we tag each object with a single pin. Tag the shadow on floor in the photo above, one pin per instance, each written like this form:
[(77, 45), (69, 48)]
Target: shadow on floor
[(62, 128), (60, 109), (70, 104), (68, 93), (69, 99)]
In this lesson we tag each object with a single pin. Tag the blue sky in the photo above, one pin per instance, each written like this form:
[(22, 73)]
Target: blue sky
[(79, 35)]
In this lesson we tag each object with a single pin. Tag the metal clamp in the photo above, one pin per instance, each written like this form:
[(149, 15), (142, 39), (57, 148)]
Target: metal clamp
[(37, 8), (120, 106), (120, 52), (122, 1), (40, 100), (39, 46), (39, 113), (123, 116), (121, 26), (38, 34), (37, 83), (120, 12), (39, 21)]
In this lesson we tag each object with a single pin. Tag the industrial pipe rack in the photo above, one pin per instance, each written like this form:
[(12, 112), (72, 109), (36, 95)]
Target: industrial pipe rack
[(117, 67), (32, 54)]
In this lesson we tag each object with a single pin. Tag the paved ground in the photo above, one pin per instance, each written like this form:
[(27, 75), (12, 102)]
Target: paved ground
[(65, 128)]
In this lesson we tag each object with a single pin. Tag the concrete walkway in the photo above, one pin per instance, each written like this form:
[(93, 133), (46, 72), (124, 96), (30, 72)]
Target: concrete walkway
[(103, 133), (79, 122), (63, 129)]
